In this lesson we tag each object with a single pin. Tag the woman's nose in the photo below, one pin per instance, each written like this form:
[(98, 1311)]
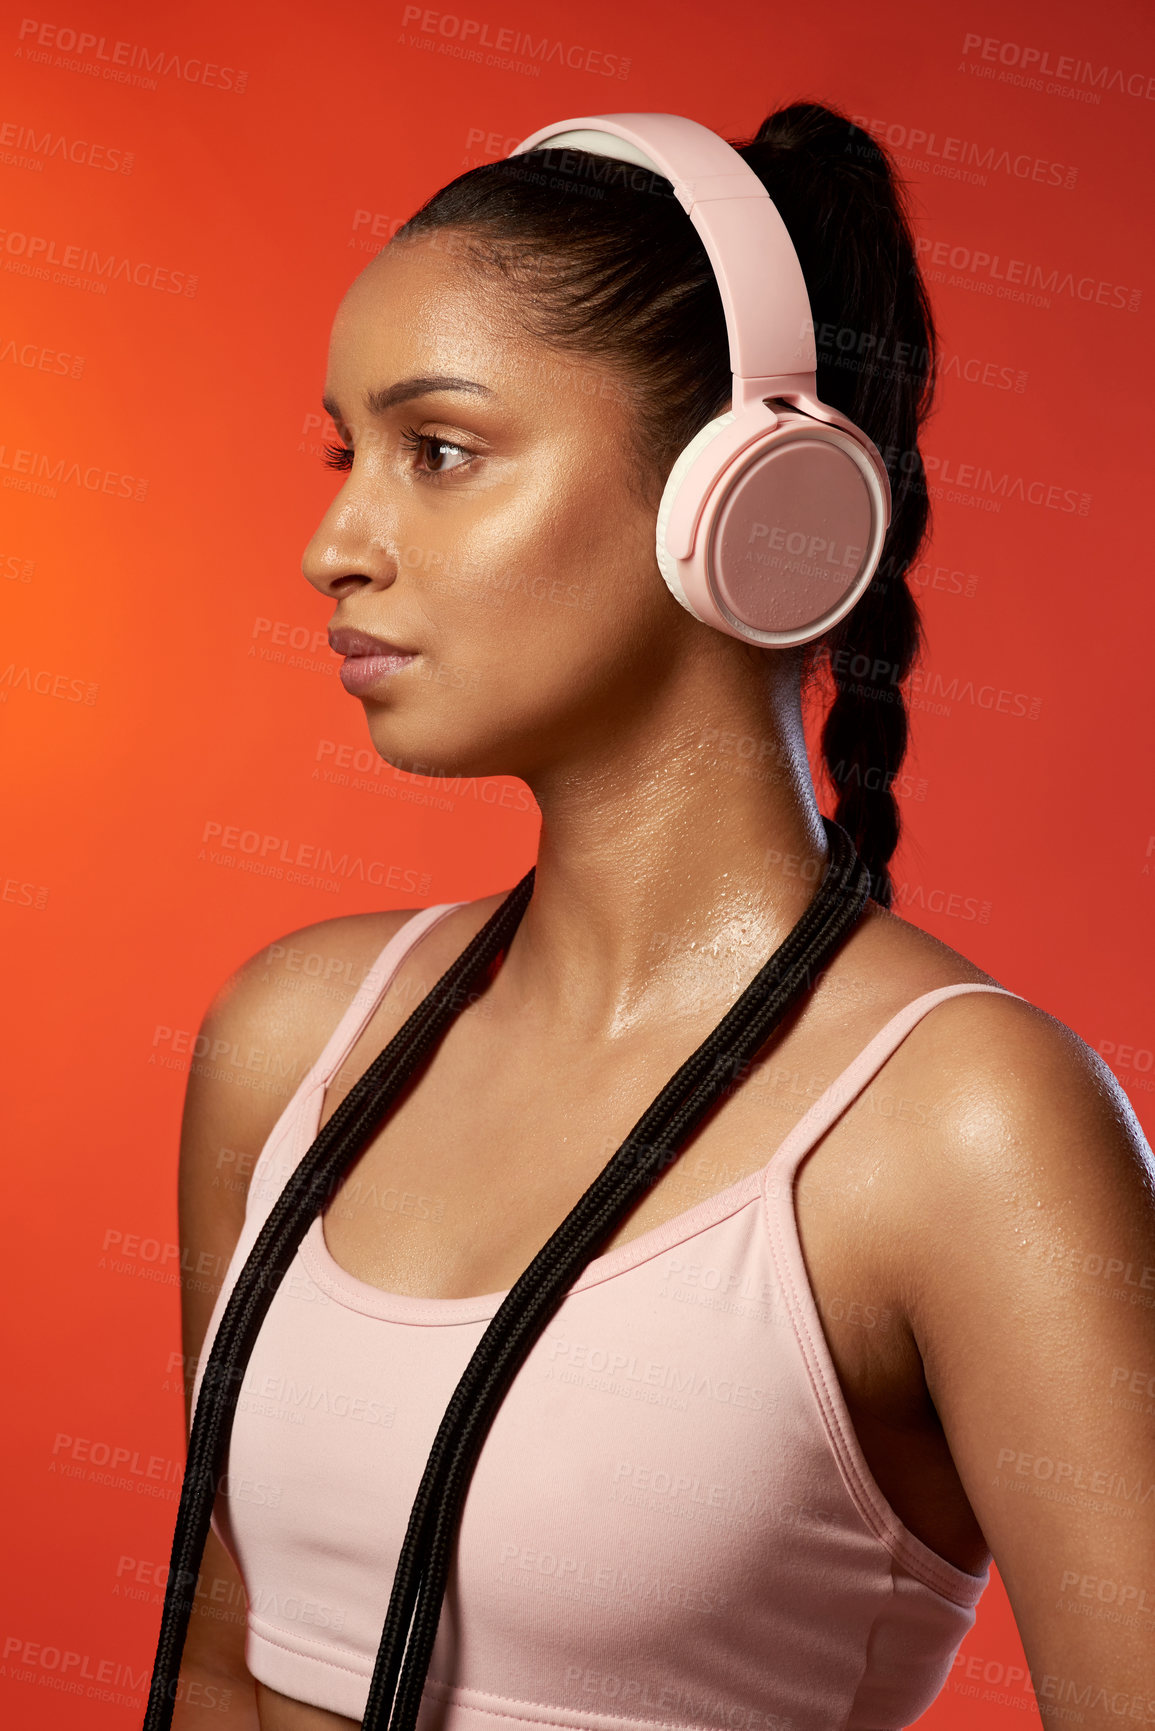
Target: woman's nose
[(348, 552)]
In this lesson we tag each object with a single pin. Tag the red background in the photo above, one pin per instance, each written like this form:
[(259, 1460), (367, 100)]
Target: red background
[(152, 680)]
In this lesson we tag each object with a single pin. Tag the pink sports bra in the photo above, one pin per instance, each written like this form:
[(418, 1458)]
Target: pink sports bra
[(671, 1522)]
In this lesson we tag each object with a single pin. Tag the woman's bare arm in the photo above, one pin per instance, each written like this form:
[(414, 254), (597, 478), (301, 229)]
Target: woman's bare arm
[(1029, 1245), (280, 1002)]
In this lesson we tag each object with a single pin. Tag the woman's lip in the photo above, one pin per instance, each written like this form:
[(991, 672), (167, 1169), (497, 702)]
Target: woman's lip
[(348, 641), (360, 673), (368, 659)]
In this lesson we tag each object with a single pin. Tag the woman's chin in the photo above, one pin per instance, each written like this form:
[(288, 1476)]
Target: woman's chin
[(417, 756), (410, 743)]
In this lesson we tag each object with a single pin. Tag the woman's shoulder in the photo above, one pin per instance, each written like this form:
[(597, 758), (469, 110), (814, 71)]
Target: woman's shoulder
[(971, 1038), (264, 1028), (1016, 1158), (1009, 1224), (277, 1010), (1012, 1100), (296, 988)]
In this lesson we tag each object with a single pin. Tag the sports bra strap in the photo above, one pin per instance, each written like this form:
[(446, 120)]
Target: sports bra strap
[(830, 1104), (371, 991), (272, 1168), (292, 1134)]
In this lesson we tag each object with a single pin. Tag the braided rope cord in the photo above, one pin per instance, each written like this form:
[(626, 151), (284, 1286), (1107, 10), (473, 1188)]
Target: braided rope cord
[(423, 1565), (419, 1581), (313, 1180)]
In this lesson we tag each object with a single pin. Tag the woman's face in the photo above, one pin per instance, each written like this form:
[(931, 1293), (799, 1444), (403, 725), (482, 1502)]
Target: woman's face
[(496, 522)]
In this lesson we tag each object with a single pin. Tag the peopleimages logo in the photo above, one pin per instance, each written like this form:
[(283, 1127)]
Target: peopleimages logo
[(932, 691), (972, 484), (46, 683), (73, 1673), (814, 550), (1033, 65), (270, 854), (120, 62), (961, 158), (470, 38), (43, 473), (52, 260), (81, 152), (1019, 279)]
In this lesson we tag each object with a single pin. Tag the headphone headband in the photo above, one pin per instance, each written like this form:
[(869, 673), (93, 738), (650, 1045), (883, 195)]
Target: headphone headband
[(767, 308), (773, 517)]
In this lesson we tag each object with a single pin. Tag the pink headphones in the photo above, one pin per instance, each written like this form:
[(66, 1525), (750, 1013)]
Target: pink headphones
[(773, 516)]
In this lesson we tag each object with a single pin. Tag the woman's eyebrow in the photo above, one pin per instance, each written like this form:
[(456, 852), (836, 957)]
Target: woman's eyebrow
[(388, 397)]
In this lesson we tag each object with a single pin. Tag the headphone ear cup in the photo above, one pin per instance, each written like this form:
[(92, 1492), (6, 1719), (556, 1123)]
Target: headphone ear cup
[(787, 531), (667, 564), (795, 534)]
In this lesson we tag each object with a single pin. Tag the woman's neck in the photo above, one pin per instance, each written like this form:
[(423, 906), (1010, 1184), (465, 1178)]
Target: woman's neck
[(671, 864)]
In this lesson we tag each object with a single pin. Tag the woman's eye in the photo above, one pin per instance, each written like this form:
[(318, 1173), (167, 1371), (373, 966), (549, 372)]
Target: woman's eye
[(337, 456), (435, 456), (440, 450), (438, 456)]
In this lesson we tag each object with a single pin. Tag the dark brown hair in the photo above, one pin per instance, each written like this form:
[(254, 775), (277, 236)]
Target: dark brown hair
[(614, 270)]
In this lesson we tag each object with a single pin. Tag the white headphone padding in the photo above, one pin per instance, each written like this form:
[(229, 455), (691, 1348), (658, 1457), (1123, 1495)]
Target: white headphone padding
[(667, 564)]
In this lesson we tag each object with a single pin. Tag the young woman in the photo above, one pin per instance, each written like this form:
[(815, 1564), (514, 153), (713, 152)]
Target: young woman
[(890, 1311)]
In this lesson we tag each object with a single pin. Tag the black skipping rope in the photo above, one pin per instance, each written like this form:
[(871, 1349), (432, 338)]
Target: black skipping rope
[(313, 1181), (414, 1611), (419, 1581)]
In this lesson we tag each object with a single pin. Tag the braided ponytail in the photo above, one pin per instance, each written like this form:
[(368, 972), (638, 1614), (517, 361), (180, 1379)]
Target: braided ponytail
[(877, 357), (624, 276)]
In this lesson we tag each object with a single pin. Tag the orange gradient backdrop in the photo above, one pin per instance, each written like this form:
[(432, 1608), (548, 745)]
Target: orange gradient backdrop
[(186, 197)]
